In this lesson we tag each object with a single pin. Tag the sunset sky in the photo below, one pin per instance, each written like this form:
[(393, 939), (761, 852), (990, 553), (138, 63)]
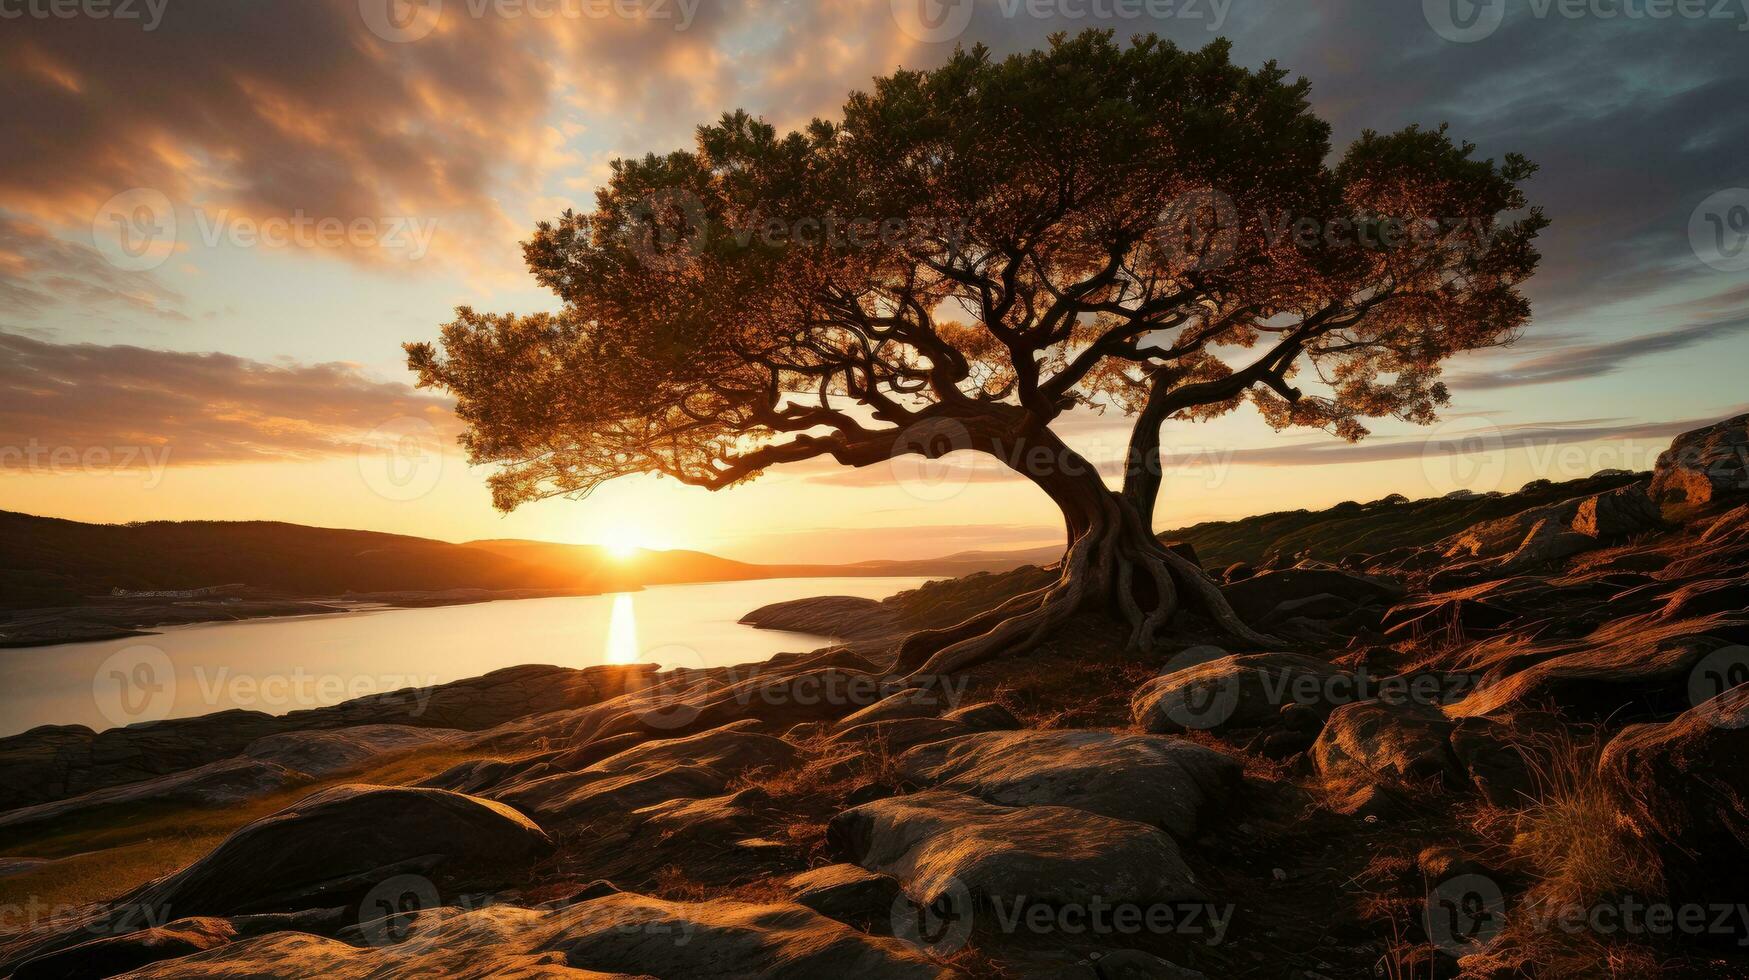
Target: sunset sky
[(219, 220)]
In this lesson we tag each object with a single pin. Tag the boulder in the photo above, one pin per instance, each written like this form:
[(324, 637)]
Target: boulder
[(691, 767), (55, 762), (898, 734), (717, 818), (916, 702), (985, 716), (832, 615), (1257, 596), (1237, 691), (1704, 466), (59, 761), (326, 752), (1681, 788), (1617, 514), (1638, 675), (1167, 782), (334, 845), (948, 849), (113, 955), (1394, 742), (848, 893), (615, 935), (731, 749), (588, 797), (216, 784)]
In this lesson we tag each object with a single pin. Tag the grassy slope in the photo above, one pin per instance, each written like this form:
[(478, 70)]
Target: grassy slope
[(1371, 528)]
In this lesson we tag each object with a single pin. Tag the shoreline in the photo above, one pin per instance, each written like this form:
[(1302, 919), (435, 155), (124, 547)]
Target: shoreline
[(115, 620)]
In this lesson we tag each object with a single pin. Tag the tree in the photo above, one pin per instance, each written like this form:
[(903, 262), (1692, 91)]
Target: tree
[(975, 250)]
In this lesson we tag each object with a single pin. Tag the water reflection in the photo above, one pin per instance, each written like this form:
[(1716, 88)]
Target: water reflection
[(622, 631)]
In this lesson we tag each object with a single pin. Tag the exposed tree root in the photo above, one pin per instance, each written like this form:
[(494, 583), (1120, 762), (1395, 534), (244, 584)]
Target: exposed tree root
[(1115, 562)]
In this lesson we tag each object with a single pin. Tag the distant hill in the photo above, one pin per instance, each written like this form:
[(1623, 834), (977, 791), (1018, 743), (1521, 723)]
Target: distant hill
[(49, 562)]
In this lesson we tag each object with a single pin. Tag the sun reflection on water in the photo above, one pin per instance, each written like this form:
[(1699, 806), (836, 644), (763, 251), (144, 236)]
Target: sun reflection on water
[(622, 631)]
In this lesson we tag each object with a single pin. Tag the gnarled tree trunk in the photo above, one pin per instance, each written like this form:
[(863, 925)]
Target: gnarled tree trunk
[(1113, 561)]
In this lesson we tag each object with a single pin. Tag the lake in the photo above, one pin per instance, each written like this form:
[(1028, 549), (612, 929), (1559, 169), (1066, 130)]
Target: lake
[(284, 664)]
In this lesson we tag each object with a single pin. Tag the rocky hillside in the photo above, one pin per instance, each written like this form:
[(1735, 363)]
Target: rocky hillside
[(1513, 749)]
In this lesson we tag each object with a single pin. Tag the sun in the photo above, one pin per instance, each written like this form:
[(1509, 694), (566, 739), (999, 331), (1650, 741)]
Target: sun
[(623, 542)]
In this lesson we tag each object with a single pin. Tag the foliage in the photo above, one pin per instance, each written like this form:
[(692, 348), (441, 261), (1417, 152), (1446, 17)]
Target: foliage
[(990, 244)]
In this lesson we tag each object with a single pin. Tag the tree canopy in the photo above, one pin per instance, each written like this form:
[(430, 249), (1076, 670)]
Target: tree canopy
[(992, 242)]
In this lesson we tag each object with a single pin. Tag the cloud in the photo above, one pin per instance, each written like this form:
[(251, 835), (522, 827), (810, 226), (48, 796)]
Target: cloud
[(274, 110), (197, 408), (39, 272), (1584, 361)]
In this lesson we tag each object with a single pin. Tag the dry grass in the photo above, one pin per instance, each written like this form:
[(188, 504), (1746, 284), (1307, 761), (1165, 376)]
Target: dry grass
[(1566, 838), (1565, 842)]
